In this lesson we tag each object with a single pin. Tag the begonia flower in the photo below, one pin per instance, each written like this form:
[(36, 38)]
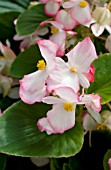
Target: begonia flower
[(102, 17), (79, 9), (92, 101), (32, 86), (60, 29), (62, 115), (109, 163), (51, 7), (72, 73)]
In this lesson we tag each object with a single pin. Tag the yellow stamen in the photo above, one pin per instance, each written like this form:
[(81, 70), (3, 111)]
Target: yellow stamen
[(41, 65), (83, 4), (73, 69), (101, 127), (54, 30), (68, 106)]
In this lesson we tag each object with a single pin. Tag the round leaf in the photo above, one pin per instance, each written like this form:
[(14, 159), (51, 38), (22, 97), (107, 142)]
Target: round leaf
[(20, 136)]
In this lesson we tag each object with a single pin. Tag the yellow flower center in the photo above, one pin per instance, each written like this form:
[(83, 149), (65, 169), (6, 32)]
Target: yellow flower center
[(41, 65), (83, 4), (101, 127), (54, 30), (73, 69), (68, 106)]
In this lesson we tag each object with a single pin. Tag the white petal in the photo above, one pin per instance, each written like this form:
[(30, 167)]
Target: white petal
[(60, 120), (48, 50), (51, 8), (97, 29), (51, 100), (32, 97), (34, 81), (82, 55), (81, 15), (43, 125), (67, 94), (83, 80)]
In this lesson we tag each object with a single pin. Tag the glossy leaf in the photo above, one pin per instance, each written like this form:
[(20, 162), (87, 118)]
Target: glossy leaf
[(23, 138), (102, 83), (26, 62), (29, 21)]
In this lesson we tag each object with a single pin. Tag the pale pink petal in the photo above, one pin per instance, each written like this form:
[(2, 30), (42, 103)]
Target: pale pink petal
[(18, 37), (59, 38), (83, 80), (51, 8), (70, 4), (66, 79), (43, 125), (48, 50), (51, 100), (81, 15), (25, 44), (41, 32), (97, 29), (32, 97), (61, 120), (7, 52), (63, 16), (34, 81), (108, 28), (82, 55), (61, 64), (54, 23), (67, 94)]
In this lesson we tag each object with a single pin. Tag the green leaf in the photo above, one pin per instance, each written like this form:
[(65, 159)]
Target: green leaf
[(105, 160), (2, 161), (102, 83), (7, 29), (6, 6), (66, 167), (26, 62), (20, 136), (23, 3), (29, 21)]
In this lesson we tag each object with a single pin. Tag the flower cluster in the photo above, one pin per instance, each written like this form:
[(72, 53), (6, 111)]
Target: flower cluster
[(59, 84)]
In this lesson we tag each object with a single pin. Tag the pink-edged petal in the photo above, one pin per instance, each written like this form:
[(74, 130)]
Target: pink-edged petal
[(25, 44), (83, 80), (51, 8), (51, 100), (61, 120), (81, 15), (48, 50), (97, 29), (43, 125), (90, 74), (7, 52), (82, 55), (54, 23), (63, 16), (66, 79), (32, 97), (59, 38), (34, 81), (70, 4), (67, 94)]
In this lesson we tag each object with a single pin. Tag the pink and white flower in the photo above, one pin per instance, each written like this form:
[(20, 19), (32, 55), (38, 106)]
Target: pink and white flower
[(79, 9), (32, 86), (92, 101), (62, 115), (51, 7), (60, 30), (72, 73)]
